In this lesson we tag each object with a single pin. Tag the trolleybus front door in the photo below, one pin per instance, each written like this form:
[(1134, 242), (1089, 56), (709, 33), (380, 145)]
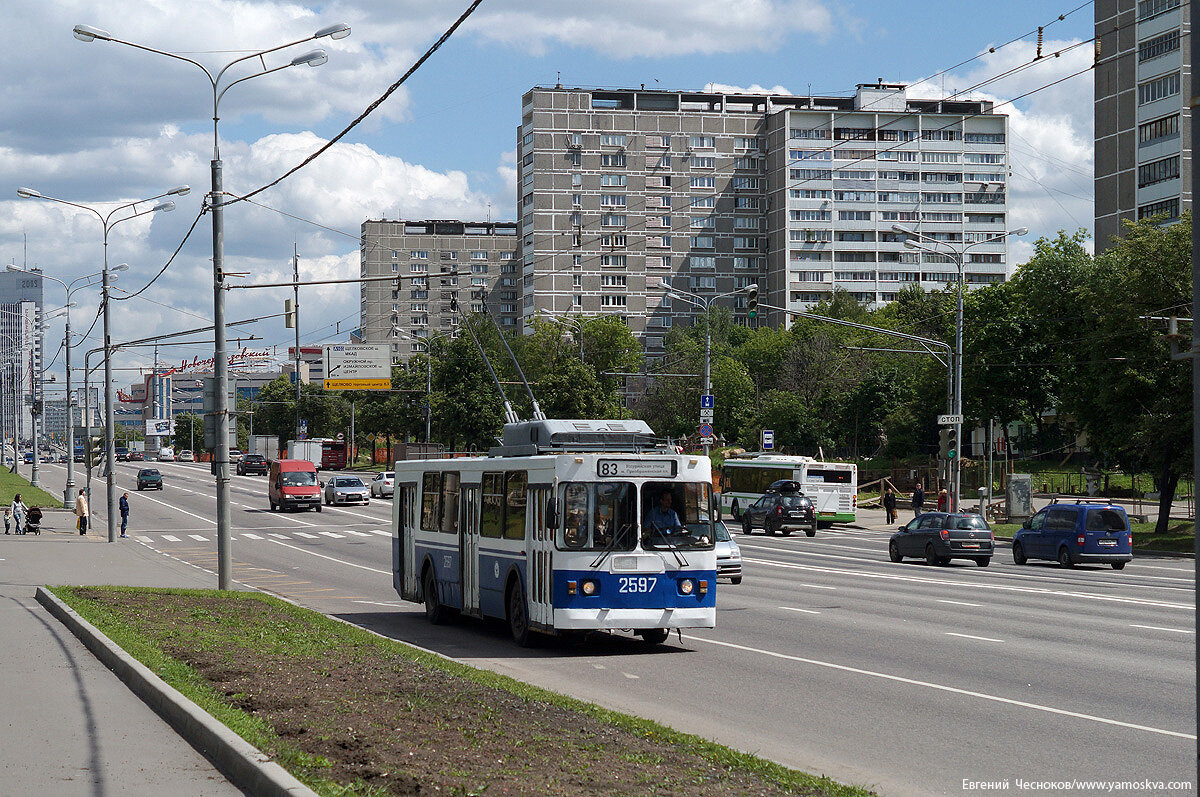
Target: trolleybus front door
[(539, 572), (407, 511), (469, 549)]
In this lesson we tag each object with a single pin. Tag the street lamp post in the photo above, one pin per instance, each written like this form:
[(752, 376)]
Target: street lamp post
[(86, 33), (37, 390), (705, 303), (107, 222), (958, 257)]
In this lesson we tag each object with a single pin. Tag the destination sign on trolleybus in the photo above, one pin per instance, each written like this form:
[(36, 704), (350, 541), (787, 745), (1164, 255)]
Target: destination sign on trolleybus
[(636, 468)]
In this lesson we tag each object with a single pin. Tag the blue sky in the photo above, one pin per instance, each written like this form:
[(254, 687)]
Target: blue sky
[(96, 122)]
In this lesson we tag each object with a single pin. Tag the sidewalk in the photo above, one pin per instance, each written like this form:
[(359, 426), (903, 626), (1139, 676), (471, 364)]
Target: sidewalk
[(68, 726)]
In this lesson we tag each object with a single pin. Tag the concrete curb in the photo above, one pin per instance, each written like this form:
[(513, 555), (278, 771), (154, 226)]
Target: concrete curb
[(244, 765)]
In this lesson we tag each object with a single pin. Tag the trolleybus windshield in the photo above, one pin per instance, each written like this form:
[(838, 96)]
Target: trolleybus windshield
[(676, 515)]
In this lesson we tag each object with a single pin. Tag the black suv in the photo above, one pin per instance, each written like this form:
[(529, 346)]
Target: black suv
[(252, 463), (783, 508)]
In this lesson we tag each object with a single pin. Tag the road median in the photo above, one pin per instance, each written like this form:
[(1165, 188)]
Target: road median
[(348, 712)]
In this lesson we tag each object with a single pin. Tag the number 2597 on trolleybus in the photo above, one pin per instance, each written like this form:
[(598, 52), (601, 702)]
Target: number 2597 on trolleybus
[(569, 526)]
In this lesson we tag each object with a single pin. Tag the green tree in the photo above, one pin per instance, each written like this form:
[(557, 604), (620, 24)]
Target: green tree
[(189, 432), (1132, 399)]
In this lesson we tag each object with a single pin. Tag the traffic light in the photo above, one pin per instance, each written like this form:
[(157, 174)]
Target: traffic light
[(289, 314), (752, 301), (951, 442), (95, 451), (944, 443)]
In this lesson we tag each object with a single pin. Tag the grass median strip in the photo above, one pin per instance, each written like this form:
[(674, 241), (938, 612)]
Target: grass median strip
[(350, 713)]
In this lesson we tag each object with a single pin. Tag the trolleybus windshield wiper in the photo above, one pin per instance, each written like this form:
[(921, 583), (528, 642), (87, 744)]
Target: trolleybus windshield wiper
[(612, 546), (680, 559)]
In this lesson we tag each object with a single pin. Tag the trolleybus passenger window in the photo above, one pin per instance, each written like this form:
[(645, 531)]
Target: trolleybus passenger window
[(450, 502), (491, 522), (430, 493), (514, 505)]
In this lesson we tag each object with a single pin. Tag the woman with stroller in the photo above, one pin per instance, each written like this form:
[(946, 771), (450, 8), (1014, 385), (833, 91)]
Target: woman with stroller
[(18, 510)]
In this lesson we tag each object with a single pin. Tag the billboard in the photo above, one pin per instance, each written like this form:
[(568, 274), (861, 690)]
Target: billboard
[(365, 366), (163, 427)]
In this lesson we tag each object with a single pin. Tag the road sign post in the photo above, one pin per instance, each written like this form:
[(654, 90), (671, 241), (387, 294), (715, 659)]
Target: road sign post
[(768, 439)]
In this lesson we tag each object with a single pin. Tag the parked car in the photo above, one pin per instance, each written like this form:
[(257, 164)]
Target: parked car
[(346, 490), (384, 484), (149, 479), (1091, 532), (293, 484), (134, 456), (783, 508), (252, 463), (79, 455), (939, 537), (186, 456), (729, 556)]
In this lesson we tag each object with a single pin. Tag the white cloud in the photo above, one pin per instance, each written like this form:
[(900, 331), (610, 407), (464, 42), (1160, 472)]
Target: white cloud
[(753, 88)]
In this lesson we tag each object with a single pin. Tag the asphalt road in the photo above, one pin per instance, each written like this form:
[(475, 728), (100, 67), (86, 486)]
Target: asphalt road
[(905, 678)]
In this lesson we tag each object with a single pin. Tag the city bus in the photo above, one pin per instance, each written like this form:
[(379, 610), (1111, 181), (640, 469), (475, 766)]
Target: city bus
[(559, 530), (832, 486)]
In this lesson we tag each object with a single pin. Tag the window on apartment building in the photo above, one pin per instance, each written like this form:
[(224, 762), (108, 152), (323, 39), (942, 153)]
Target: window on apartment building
[(984, 138), (854, 196), (703, 222), (745, 183), (810, 236), (702, 261), (748, 163), (941, 134), (810, 215), (746, 203), (395, 268), (1158, 46), (704, 283), (854, 257), (854, 133), (418, 268), (419, 254), (810, 174), (810, 276), (1158, 130), (819, 133), (742, 142), (1158, 88), (897, 155), (703, 202), (478, 255), (941, 198), (574, 158), (613, 300), (747, 223), (1169, 206), (986, 257), (740, 242), (612, 159), (612, 200), (899, 196), (618, 261), (613, 239), (1152, 8), (613, 280), (702, 142), (804, 193), (612, 220), (854, 276), (703, 242), (612, 140), (984, 177), (941, 177), (747, 262), (897, 135), (843, 154), (853, 174), (699, 162), (810, 154), (478, 281), (702, 182), (609, 180), (811, 256)]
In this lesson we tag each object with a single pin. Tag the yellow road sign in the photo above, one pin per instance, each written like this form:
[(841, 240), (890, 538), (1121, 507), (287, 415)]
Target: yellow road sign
[(358, 384)]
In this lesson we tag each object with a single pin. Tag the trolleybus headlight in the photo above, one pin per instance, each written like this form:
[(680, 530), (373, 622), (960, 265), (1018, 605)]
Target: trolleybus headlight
[(686, 586), (588, 588)]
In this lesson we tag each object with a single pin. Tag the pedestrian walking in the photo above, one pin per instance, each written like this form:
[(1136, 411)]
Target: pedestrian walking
[(124, 507), (81, 511), (943, 500), (18, 510), (889, 505), (918, 499)]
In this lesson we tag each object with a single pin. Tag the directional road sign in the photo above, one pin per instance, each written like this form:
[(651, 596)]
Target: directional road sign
[(708, 401), (358, 367)]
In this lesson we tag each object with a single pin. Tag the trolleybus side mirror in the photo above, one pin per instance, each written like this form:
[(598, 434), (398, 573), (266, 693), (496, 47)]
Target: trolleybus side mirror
[(552, 513)]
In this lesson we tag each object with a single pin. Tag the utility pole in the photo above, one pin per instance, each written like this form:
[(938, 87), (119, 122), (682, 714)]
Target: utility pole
[(296, 317)]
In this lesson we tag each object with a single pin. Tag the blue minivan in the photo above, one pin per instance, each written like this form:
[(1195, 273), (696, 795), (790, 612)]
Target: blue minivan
[(1089, 532)]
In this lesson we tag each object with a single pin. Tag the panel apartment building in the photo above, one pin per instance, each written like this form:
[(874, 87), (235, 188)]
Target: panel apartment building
[(1143, 124), (406, 313), (621, 191)]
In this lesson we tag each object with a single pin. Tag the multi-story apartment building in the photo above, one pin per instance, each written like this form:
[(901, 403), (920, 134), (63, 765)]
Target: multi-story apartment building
[(435, 263), (1143, 123), (620, 192), (21, 342)]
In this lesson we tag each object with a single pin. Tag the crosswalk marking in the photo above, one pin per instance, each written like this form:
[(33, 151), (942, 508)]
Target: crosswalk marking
[(357, 533), (251, 536), (198, 537), (278, 536), (333, 534), (381, 532), (306, 534), (275, 535), (170, 538)]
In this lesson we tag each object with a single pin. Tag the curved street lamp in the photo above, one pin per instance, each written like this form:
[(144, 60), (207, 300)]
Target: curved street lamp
[(925, 243), (87, 33), (107, 222)]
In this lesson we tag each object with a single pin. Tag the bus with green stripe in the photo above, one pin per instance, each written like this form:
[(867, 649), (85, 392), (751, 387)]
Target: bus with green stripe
[(832, 486)]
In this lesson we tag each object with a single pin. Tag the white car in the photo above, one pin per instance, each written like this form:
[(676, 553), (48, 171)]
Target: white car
[(235, 456), (384, 484), (166, 455), (186, 456)]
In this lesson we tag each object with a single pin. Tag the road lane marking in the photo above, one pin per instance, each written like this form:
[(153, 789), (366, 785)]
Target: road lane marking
[(815, 586), (306, 535), (944, 688), (356, 533), (198, 538), (793, 609), (332, 559), (279, 536), (333, 534), (380, 603), (975, 585), (631, 676), (249, 536), (1160, 628), (177, 509), (380, 532), (972, 636), (960, 603), (170, 538)]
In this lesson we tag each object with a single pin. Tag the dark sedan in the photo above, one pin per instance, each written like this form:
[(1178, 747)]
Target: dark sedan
[(252, 463), (938, 537), (782, 512), (149, 479)]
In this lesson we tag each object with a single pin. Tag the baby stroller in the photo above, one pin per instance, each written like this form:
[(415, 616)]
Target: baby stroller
[(33, 521)]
